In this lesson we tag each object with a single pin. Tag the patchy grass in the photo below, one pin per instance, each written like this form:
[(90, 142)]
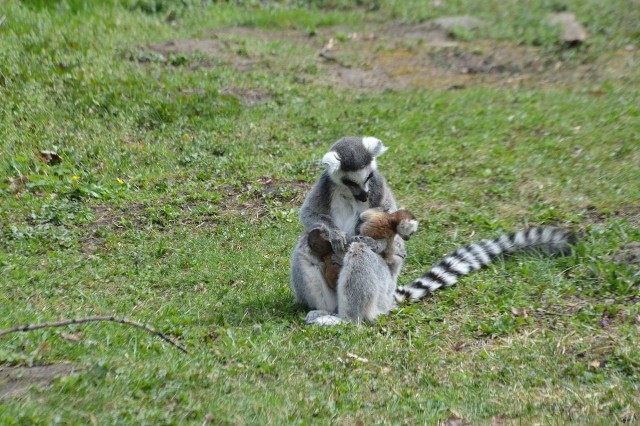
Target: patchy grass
[(187, 134)]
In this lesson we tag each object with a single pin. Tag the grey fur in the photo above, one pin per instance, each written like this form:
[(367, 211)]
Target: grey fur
[(365, 287), (353, 155)]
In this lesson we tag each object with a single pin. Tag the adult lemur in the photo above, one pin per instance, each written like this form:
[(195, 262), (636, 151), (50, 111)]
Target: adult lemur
[(366, 284)]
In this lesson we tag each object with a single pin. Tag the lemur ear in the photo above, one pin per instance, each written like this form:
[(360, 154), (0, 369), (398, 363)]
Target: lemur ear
[(373, 145), (332, 161)]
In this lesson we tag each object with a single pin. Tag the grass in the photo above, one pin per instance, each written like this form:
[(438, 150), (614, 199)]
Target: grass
[(175, 202)]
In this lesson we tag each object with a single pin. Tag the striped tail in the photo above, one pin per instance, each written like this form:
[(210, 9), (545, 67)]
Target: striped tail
[(465, 260)]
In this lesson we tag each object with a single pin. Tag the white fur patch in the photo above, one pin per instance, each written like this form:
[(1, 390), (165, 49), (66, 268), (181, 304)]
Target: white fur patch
[(373, 145), (367, 214), (407, 228), (332, 160), (458, 265), (345, 210)]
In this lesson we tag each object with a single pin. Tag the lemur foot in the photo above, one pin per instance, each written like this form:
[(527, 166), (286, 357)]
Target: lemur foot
[(322, 318)]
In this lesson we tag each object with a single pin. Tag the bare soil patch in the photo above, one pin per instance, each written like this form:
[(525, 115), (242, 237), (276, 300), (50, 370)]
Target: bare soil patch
[(439, 66), (630, 214), (393, 56), (248, 96), (256, 199), (218, 51), (16, 381), (252, 200), (629, 254)]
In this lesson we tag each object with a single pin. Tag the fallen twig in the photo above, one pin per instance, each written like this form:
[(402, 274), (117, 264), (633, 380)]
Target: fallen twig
[(30, 327), (329, 58), (356, 357)]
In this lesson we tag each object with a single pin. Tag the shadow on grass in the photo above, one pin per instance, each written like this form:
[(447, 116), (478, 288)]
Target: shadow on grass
[(277, 307)]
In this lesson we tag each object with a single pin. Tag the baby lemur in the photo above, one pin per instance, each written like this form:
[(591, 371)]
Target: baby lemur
[(320, 244), (376, 224), (380, 225)]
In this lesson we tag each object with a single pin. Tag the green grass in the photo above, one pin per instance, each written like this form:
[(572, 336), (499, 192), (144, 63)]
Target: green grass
[(175, 204)]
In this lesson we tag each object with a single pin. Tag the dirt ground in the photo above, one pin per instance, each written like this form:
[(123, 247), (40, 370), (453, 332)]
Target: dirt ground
[(396, 57), (15, 381)]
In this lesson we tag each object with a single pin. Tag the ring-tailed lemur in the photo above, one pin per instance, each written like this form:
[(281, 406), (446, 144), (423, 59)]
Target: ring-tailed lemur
[(366, 284), (349, 186)]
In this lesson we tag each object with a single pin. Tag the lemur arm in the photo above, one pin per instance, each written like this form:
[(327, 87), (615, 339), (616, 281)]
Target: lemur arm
[(315, 213), (378, 246)]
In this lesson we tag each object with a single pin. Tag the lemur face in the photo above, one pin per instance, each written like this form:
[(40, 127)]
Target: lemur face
[(351, 163), (406, 228), (357, 182)]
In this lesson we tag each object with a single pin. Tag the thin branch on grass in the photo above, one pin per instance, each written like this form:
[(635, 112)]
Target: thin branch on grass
[(324, 55), (560, 314), (2, 19), (30, 327)]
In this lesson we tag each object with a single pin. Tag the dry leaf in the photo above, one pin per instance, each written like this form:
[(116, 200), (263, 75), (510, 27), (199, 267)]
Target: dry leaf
[(595, 364), (43, 347), (72, 337), (458, 346), (519, 312), (454, 421), (498, 421), (358, 36), (17, 183), (49, 157), (330, 45), (356, 357)]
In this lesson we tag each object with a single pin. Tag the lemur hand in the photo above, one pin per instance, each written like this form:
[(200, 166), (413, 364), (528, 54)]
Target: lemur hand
[(378, 246), (338, 240)]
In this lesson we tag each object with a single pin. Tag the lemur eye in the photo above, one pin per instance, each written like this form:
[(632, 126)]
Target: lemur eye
[(349, 182), (369, 177)]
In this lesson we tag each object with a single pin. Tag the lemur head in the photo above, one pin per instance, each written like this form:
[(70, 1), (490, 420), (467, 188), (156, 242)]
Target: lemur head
[(407, 224), (351, 163)]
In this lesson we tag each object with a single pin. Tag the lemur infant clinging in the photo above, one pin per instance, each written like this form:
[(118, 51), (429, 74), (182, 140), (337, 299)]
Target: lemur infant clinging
[(321, 246), (381, 225), (376, 224), (366, 284)]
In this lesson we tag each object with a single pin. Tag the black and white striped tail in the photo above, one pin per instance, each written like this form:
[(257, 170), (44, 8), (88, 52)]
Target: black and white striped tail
[(467, 259)]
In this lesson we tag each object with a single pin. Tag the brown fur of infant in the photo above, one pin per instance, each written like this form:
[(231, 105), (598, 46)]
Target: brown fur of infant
[(376, 224), (319, 243), (381, 225)]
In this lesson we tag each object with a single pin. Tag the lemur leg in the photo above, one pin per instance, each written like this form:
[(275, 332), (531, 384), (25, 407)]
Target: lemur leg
[(307, 280), (365, 286), (391, 248), (395, 261)]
